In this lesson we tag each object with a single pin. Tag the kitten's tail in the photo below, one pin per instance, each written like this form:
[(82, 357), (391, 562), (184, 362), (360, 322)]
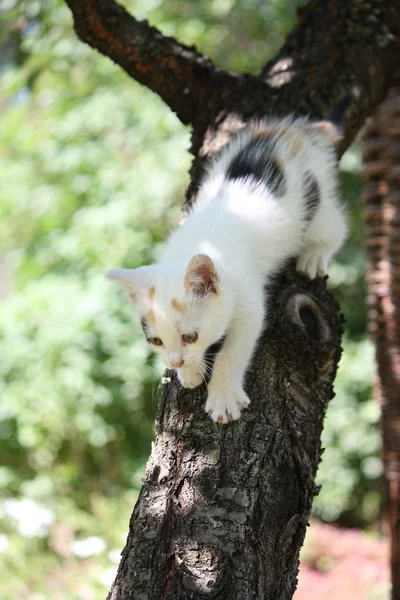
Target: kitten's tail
[(339, 110)]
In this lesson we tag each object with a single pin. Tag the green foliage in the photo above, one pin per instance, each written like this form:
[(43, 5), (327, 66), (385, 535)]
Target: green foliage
[(237, 34), (93, 173), (94, 169), (351, 465)]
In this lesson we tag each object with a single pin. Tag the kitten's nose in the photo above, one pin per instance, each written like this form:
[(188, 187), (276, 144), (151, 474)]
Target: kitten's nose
[(175, 359), (177, 365)]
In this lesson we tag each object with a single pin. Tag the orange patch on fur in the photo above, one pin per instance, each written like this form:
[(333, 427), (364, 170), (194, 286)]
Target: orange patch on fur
[(151, 317), (263, 133), (296, 146), (177, 305), (328, 130), (152, 291), (282, 131)]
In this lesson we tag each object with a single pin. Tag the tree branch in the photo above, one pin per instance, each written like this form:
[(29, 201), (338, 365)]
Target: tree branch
[(358, 41), (183, 78), (336, 46)]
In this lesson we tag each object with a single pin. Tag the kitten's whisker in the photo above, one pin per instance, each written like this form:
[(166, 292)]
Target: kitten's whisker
[(205, 364), (149, 371), (211, 363)]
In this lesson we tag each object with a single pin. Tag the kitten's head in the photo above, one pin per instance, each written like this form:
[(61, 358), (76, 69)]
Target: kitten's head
[(183, 307)]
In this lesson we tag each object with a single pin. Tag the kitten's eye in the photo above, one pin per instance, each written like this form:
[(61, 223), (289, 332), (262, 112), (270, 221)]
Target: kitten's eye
[(189, 338), (156, 341)]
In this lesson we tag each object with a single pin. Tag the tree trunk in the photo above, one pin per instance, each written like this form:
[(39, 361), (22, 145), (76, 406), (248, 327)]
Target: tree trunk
[(382, 214), (223, 509)]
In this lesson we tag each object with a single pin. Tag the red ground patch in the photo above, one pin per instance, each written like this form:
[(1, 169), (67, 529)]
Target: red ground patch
[(343, 564)]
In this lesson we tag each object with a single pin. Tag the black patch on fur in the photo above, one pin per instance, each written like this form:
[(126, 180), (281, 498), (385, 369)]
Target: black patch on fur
[(256, 162), (311, 195), (211, 353)]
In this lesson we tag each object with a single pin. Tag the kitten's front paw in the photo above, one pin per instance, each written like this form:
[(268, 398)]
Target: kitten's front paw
[(189, 377), (312, 262), (227, 405)]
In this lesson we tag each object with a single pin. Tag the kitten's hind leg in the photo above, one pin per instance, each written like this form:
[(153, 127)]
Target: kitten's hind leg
[(313, 261), (322, 239)]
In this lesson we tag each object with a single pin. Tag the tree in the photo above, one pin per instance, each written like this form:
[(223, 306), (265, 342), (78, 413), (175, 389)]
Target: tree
[(382, 195), (223, 510)]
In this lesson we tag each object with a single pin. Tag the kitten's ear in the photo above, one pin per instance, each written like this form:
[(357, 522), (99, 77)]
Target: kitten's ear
[(136, 281), (201, 277)]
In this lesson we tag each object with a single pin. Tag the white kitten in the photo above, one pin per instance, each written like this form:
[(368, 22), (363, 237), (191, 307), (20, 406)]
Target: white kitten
[(270, 195)]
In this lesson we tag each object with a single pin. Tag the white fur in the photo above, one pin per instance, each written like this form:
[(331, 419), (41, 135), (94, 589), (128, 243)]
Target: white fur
[(248, 233)]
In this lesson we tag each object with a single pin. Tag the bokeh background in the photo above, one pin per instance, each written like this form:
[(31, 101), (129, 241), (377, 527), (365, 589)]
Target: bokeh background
[(93, 173)]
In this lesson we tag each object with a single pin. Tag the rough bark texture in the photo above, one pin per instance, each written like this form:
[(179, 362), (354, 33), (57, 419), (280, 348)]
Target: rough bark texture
[(382, 214), (223, 509)]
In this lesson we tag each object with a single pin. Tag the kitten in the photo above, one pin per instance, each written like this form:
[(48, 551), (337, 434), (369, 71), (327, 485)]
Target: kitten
[(271, 194)]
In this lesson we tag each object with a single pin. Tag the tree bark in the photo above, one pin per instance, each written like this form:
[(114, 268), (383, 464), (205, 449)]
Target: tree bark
[(382, 215), (223, 509)]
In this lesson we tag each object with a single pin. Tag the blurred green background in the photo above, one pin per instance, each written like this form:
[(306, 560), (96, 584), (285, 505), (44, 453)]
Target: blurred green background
[(93, 173)]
